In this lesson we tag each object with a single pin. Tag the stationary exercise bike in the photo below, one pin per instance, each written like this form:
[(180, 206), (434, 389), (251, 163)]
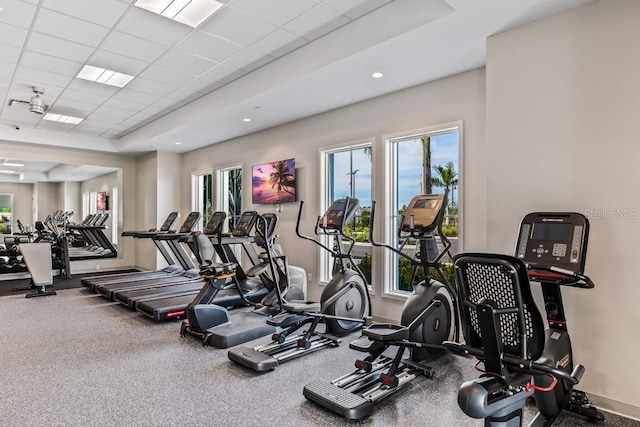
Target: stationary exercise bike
[(504, 329), (428, 318), (344, 306)]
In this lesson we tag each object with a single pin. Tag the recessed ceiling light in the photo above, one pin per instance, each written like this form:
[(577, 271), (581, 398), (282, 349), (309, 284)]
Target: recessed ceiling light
[(190, 12), (178, 143), (1, 9), (377, 75), (15, 165), (62, 118), (6, 172), (246, 119), (101, 75)]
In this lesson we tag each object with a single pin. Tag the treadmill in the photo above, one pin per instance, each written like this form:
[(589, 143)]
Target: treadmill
[(187, 273), (176, 307), (131, 297), (94, 281)]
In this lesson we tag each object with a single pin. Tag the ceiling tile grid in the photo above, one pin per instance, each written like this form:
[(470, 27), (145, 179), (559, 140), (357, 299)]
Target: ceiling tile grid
[(46, 43)]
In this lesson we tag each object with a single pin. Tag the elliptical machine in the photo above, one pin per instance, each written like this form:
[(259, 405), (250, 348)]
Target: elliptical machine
[(345, 304), (428, 318), (504, 329)]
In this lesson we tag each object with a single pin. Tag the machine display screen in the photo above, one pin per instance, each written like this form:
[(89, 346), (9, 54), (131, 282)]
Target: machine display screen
[(552, 232)]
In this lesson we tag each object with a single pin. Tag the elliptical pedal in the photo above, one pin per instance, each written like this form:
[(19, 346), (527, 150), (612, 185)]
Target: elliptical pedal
[(340, 401), (580, 404)]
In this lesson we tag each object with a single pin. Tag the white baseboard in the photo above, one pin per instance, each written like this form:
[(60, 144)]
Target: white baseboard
[(620, 408)]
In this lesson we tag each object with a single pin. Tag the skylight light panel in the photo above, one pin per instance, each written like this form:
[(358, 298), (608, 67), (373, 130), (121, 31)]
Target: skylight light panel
[(189, 12), (62, 118), (101, 75)]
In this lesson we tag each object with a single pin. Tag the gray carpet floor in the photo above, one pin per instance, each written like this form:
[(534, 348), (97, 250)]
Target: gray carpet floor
[(76, 359)]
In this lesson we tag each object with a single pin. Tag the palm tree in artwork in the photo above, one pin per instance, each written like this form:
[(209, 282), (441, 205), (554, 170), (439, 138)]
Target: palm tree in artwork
[(282, 177)]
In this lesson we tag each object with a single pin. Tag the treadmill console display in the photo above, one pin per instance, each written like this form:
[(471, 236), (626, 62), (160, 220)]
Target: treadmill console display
[(422, 213), (189, 223), (554, 240), (170, 221), (245, 224), (214, 224), (339, 213)]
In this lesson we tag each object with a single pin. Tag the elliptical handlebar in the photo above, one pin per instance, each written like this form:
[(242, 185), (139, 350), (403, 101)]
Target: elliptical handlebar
[(311, 239), (384, 245), (319, 230)]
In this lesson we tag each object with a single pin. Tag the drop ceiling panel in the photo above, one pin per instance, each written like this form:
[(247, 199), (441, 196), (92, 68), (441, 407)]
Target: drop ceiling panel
[(113, 112), (50, 63), (22, 90), (278, 43), (19, 114), (65, 49), (85, 97), (127, 94), (93, 88), (236, 26), (149, 26), (207, 46), (133, 47), (355, 8), (149, 86), (9, 54), (277, 12), (103, 12), (124, 105), (72, 105), (35, 77), (185, 62), (6, 71), (69, 28), (248, 59), (17, 13), (161, 74), (12, 35), (316, 22), (119, 63), (57, 126)]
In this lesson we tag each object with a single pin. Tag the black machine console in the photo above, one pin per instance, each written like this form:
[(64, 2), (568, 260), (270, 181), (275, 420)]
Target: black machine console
[(190, 222), (245, 224), (422, 213), (554, 240), (339, 213), (213, 225), (171, 219)]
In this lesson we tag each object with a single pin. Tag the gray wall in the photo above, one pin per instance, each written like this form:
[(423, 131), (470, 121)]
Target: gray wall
[(562, 134)]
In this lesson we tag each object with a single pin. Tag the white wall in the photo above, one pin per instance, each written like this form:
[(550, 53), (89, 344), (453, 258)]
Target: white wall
[(72, 197), (146, 208), (46, 200), (562, 134), (459, 97)]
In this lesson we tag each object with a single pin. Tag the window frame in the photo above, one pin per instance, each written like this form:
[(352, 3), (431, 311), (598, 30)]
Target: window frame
[(389, 290), (324, 259), (196, 194)]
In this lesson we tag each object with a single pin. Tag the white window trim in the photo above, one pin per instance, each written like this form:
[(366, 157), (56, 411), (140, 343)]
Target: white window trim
[(324, 259), (388, 275), (221, 184), (195, 192)]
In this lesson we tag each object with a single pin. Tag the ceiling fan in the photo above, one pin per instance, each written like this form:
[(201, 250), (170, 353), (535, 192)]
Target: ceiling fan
[(36, 104)]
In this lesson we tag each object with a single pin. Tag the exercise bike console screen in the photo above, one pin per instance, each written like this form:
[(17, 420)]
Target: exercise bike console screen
[(554, 240), (336, 217)]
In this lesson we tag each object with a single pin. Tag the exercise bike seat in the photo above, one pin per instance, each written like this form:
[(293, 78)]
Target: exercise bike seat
[(386, 332), (302, 306)]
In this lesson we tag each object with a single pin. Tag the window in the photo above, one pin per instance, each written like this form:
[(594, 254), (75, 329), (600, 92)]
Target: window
[(86, 210), (347, 173), (6, 209), (230, 194), (202, 196), (420, 163)]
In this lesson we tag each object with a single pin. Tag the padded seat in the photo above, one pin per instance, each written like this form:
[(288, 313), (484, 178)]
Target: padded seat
[(300, 306)]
